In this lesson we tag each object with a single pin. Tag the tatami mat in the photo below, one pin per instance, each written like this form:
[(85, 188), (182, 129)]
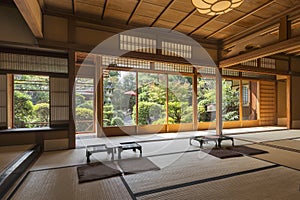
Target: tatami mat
[(269, 136), (277, 183), (289, 144), (189, 167), (10, 153), (53, 159), (63, 184), (279, 156)]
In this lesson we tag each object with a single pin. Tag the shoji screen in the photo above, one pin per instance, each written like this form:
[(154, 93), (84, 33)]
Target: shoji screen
[(59, 101), (3, 102)]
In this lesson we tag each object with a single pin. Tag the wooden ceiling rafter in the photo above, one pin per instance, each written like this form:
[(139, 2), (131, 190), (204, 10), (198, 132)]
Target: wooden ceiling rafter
[(162, 12), (186, 17), (104, 8), (230, 41), (73, 7), (137, 5), (242, 18)]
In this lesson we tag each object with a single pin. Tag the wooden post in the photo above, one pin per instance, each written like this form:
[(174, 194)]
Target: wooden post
[(194, 103), (72, 75), (219, 121), (288, 102)]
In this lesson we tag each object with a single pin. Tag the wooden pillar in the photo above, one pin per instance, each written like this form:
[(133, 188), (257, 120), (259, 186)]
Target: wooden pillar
[(195, 103), (99, 96), (72, 75), (288, 103), (219, 121)]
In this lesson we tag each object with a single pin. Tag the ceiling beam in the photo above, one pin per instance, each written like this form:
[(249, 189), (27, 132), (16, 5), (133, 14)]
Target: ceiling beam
[(31, 12), (186, 17), (73, 7), (104, 8), (278, 47), (137, 5), (162, 12), (293, 51), (231, 41), (242, 18)]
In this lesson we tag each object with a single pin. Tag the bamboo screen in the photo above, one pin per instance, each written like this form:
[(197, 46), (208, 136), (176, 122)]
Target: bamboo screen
[(3, 102), (59, 98), (33, 63), (267, 103)]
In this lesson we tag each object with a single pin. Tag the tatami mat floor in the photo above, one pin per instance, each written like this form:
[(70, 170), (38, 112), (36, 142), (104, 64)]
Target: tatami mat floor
[(186, 171)]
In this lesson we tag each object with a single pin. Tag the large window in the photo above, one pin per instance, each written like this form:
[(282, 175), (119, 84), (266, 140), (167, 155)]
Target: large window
[(31, 101), (151, 98), (206, 99), (119, 103), (84, 101), (231, 100), (180, 109)]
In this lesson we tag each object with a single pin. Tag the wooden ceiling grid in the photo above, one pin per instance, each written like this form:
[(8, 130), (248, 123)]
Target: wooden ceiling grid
[(252, 17)]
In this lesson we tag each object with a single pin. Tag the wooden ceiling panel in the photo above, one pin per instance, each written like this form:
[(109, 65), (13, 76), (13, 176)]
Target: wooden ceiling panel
[(91, 2), (149, 10), (214, 25), (184, 29), (185, 6), (141, 20), (249, 21), (116, 15), (221, 36), (286, 3), (171, 15), (164, 24), (195, 20), (63, 5), (202, 32), (232, 29), (231, 16), (88, 9), (158, 2), (249, 5), (121, 5), (270, 11)]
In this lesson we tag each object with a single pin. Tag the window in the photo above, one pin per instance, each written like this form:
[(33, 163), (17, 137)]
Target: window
[(152, 98), (84, 101), (119, 103), (230, 100), (31, 101), (206, 99), (245, 94), (180, 109)]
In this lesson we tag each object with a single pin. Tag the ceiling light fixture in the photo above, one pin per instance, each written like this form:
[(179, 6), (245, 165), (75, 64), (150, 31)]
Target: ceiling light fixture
[(216, 7)]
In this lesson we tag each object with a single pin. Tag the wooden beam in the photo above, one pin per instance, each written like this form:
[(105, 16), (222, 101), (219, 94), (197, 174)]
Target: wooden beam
[(186, 17), (74, 7), (231, 41), (104, 8), (263, 52), (137, 5), (285, 29), (31, 12), (162, 12), (242, 18)]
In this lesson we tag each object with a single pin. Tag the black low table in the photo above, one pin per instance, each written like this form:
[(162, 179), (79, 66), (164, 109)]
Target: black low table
[(216, 138), (127, 146), (100, 148)]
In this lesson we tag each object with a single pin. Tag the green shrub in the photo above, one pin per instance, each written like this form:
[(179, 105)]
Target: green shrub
[(117, 121)]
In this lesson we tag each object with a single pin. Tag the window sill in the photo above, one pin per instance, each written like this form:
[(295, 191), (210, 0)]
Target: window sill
[(27, 130)]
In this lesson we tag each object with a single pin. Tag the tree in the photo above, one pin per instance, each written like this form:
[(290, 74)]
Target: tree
[(41, 112), (23, 110)]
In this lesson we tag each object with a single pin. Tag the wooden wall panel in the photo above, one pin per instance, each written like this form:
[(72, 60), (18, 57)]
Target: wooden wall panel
[(267, 101)]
